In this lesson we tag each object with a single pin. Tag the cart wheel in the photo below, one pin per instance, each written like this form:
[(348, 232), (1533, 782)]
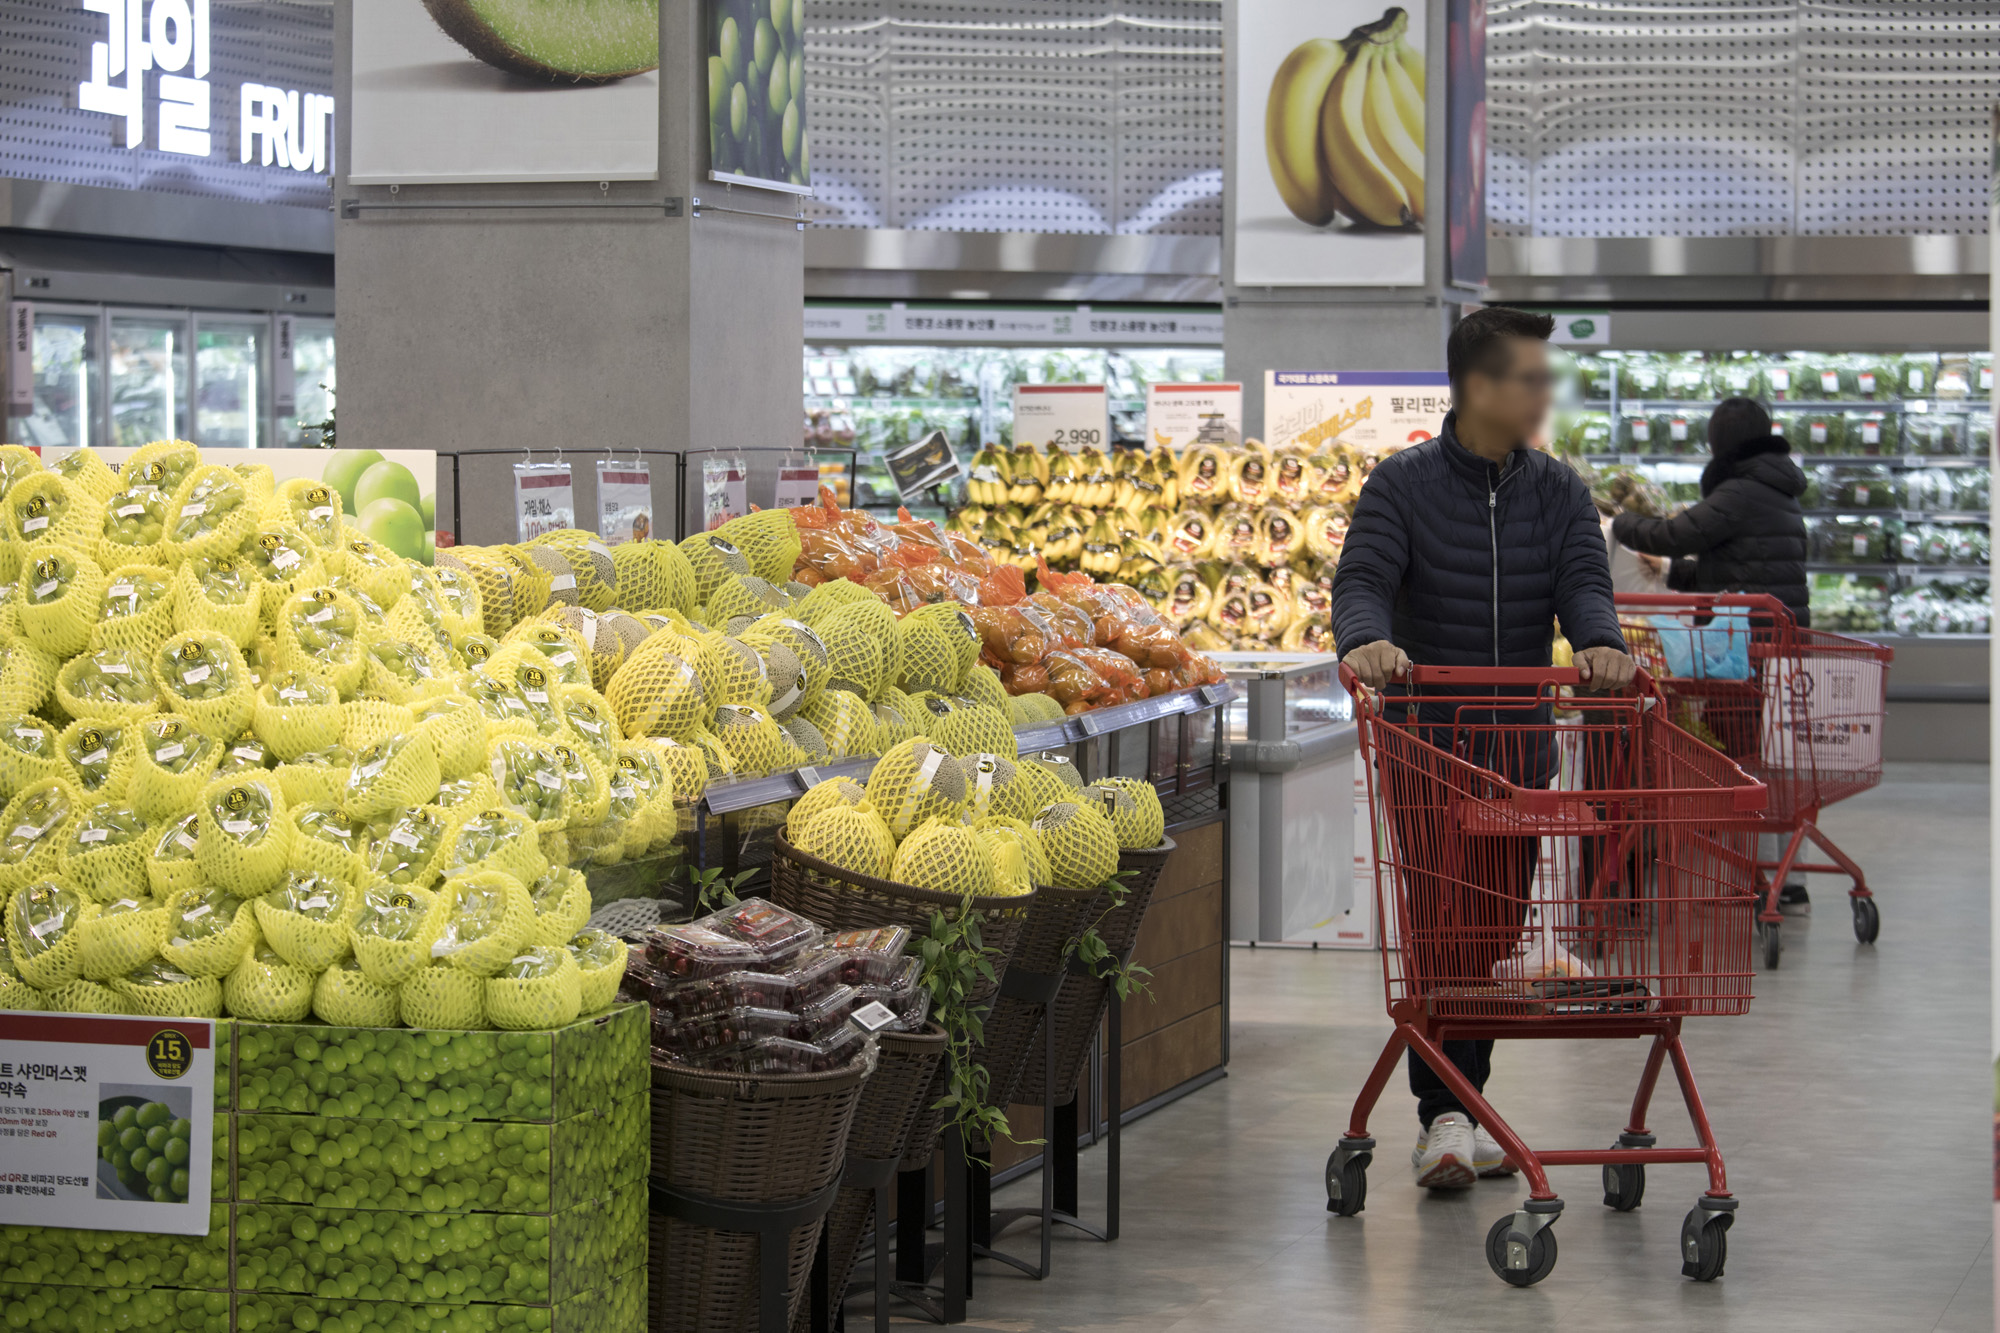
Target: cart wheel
[(1867, 920), (1624, 1186), (1540, 1260), (1774, 944), (1346, 1183), (1705, 1243)]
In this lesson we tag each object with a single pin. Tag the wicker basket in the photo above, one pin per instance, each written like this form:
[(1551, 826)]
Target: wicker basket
[(742, 1139), (889, 1106), (1081, 1003), (1054, 922)]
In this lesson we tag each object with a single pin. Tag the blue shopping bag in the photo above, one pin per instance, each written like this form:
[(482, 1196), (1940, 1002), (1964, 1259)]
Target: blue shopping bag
[(1719, 650)]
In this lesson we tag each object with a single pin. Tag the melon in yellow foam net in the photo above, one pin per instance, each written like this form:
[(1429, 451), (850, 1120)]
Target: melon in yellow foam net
[(1030, 710), (305, 920), (487, 917), (1048, 779), (656, 692), (1133, 807), (769, 540), (861, 646), (392, 930), (821, 796), (264, 988), (853, 837), (538, 987), (939, 643), (916, 781), (712, 558), (994, 787), (732, 672), (996, 828), (752, 738), (896, 718), (982, 686), (846, 722), (1081, 847), (944, 858), (974, 729)]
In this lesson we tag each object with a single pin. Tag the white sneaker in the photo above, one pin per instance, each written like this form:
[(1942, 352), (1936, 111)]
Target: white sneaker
[(1445, 1153), (1487, 1158)]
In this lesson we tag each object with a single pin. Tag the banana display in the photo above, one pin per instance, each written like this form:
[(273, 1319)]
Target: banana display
[(1344, 127), (1235, 545)]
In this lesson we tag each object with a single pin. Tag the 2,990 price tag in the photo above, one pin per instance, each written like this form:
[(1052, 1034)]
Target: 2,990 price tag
[(1062, 416)]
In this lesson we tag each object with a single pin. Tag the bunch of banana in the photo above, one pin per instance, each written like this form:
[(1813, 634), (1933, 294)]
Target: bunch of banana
[(988, 478), (1030, 463), (1064, 543), (1095, 487), (1125, 466), (996, 537), (1344, 127), (1100, 548), (966, 521), (1158, 481), (1060, 482)]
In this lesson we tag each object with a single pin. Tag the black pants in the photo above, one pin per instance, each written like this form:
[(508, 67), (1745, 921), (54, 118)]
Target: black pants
[(1473, 1058)]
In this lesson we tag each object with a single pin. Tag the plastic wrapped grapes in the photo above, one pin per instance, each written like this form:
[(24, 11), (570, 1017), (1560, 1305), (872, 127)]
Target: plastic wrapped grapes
[(405, 844), (600, 961), (135, 521), (58, 599), (316, 776), (502, 840), (318, 631), (136, 611), (468, 795), (211, 513), (530, 780), (590, 720), (218, 593), (163, 463), (296, 711), (87, 473), (305, 920), (589, 790), (208, 931), (314, 508), (159, 989), (328, 843), (111, 685), (44, 937), (264, 988), (397, 771), (106, 856), (392, 932), (536, 988), (126, 933), (442, 996), (98, 758), (281, 556), (35, 831), (243, 838), (170, 865), (562, 905), (173, 763), (203, 677), (487, 917), (457, 732), (347, 997), (504, 711), (370, 717), (41, 511), (29, 752), (245, 756)]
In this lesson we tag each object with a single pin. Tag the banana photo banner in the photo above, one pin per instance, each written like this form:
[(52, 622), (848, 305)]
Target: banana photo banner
[(1370, 412), (1183, 416), (1329, 169)]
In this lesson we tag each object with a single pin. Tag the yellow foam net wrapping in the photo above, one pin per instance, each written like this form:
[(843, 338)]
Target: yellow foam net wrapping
[(403, 671), (914, 782), (282, 559), (711, 558), (589, 784), (562, 905), (731, 672), (392, 930), (896, 719), (1033, 710), (846, 722), (45, 922), (243, 834), (589, 718), (304, 920), (1081, 847), (211, 513), (457, 734), (1008, 862), (57, 600), (974, 729), (823, 795), (530, 781), (783, 669), (406, 844), (859, 637), (487, 917), (319, 631), (258, 480), (162, 463), (170, 865), (316, 510), (106, 856), (815, 665), (939, 644), (768, 539), (316, 775), (35, 830), (657, 692), (689, 764), (1048, 780), (501, 840), (137, 610), (461, 599), (371, 570), (537, 988), (202, 677), (494, 578), (396, 771), (982, 686), (997, 828), (366, 720), (641, 767), (98, 757), (1133, 807), (160, 990), (744, 599), (84, 996), (642, 584), (86, 471), (752, 738), (993, 787), (30, 752), (27, 674), (296, 711), (600, 967), (345, 996), (264, 988), (219, 594), (590, 560), (123, 935), (853, 837), (558, 579), (807, 745), (43, 511), (442, 996), (944, 858), (326, 843)]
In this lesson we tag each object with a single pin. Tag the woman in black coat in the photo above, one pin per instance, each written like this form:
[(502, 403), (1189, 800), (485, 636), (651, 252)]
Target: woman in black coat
[(1748, 533)]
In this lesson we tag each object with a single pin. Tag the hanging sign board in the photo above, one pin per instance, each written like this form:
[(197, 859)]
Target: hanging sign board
[(1372, 412), (1061, 416), (1180, 415), (106, 1122), (624, 500), (798, 485), (915, 468), (544, 499), (20, 359), (725, 491)]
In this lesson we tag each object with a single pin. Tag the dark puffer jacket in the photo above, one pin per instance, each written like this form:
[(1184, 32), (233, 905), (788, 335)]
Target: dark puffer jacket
[(1747, 534), (1460, 563)]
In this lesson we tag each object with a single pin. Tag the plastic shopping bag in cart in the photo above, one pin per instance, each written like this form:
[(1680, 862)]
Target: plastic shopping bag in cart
[(1719, 650)]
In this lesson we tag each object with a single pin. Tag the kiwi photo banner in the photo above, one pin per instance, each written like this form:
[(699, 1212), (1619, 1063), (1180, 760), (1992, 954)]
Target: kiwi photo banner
[(1369, 411), (106, 1122), (386, 495), (1329, 174), (504, 90)]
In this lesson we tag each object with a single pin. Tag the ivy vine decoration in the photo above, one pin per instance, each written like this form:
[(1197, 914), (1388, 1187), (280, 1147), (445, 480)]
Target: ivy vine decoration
[(956, 962), (1127, 978)]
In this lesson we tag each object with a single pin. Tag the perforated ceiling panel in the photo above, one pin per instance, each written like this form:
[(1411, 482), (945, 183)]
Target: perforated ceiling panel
[(45, 52), (1739, 117), (1041, 115)]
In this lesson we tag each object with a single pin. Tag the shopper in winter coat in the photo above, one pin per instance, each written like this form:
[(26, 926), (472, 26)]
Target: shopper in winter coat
[(1465, 551), (1747, 534)]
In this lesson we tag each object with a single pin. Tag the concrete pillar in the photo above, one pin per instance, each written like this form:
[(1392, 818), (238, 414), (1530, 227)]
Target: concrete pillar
[(587, 328)]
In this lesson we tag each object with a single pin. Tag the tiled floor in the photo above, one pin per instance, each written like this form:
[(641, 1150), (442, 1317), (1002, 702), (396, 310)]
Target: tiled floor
[(1852, 1102)]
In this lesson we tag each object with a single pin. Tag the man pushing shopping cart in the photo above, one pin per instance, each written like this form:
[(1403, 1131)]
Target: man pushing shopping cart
[(1582, 876)]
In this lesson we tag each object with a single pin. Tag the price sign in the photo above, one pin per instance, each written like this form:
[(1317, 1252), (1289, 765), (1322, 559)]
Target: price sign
[(544, 499), (1062, 416), (106, 1122), (916, 468), (1180, 415), (798, 485), (624, 501), (725, 491)]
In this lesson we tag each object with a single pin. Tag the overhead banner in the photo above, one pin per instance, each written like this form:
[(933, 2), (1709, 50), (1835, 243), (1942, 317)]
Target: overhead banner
[(106, 1123), (1061, 416), (1329, 116), (1181, 415), (756, 93), (1372, 412), (991, 324), (1465, 144), (470, 90)]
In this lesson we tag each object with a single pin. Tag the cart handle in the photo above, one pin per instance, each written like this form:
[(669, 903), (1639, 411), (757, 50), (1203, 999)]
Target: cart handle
[(1642, 683), (1703, 601)]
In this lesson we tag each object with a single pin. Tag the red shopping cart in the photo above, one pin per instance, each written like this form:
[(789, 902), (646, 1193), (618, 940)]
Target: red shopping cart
[(1577, 877), (1804, 716)]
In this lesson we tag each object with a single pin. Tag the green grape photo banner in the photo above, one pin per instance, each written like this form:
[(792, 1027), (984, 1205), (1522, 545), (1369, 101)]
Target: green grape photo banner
[(756, 93)]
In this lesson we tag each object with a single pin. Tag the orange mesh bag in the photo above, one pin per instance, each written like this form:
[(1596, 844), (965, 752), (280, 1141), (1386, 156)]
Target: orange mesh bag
[(203, 678), (57, 599), (211, 515), (98, 758), (111, 685), (137, 610), (219, 594)]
